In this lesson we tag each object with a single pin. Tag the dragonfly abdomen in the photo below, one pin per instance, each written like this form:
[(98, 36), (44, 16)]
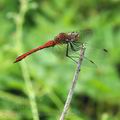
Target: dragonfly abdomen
[(50, 43)]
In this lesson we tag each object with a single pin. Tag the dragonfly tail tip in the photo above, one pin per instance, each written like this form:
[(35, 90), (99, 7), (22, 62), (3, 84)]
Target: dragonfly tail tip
[(15, 61)]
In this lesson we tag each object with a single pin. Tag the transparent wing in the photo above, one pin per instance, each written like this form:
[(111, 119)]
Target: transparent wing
[(95, 54)]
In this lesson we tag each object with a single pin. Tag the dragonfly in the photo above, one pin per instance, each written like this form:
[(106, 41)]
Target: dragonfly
[(70, 39)]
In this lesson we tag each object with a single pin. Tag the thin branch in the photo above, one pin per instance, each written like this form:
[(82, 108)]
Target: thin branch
[(75, 78), (19, 21)]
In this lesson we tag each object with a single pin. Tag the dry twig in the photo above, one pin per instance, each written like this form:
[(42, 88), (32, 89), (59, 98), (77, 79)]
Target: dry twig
[(75, 78)]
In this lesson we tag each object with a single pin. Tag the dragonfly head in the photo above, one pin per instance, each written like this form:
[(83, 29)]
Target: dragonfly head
[(73, 36)]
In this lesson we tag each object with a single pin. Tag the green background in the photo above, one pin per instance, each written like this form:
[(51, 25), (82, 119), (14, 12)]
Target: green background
[(47, 74)]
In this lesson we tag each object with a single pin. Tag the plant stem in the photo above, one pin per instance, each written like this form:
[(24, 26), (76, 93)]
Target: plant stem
[(19, 20), (75, 78)]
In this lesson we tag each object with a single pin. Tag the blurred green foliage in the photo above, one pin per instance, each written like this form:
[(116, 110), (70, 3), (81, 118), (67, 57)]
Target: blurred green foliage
[(97, 95)]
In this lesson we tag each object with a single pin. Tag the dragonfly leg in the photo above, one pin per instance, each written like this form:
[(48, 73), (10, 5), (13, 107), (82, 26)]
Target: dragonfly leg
[(67, 54)]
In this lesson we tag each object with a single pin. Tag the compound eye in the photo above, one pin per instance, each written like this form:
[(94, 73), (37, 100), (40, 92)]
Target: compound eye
[(74, 33), (69, 33)]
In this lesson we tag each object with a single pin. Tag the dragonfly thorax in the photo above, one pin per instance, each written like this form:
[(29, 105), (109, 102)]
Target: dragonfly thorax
[(67, 37)]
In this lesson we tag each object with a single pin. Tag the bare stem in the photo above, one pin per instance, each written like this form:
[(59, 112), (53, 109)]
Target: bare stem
[(19, 21), (75, 78)]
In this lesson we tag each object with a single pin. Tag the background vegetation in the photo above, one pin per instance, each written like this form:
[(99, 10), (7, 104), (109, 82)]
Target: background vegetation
[(47, 74)]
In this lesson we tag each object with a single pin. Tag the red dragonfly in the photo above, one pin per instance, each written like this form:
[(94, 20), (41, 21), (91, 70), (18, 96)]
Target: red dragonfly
[(71, 39)]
